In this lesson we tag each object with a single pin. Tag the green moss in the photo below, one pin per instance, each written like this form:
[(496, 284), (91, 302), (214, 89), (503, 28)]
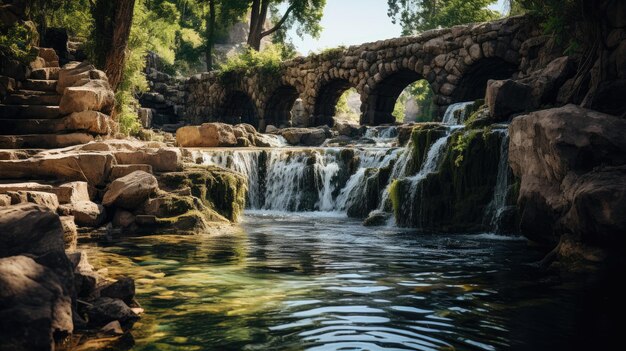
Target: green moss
[(219, 189), (423, 136), (461, 145), (455, 197), (395, 195), (330, 54)]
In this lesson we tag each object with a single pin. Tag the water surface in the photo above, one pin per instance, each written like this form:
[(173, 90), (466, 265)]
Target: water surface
[(321, 281)]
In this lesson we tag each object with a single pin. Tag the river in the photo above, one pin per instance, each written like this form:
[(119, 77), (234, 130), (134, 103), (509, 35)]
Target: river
[(321, 281)]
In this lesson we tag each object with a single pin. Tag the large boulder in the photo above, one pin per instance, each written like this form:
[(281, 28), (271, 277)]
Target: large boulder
[(89, 121), (506, 97), (557, 153), (34, 305), (130, 191), (92, 95), (220, 190), (207, 135), (29, 229)]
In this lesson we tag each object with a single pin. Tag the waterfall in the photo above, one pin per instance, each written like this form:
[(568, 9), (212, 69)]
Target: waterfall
[(244, 162), (383, 136), (300, 180), (456, 113), (498, 205), (433, 158), (356, 184)]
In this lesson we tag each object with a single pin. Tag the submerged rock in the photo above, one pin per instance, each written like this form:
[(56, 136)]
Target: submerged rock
[(377, 219), (105, 310)]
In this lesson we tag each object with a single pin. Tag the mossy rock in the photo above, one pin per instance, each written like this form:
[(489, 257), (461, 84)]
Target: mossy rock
[(454, 198), (191, 222), (422, 137), (219, 189)]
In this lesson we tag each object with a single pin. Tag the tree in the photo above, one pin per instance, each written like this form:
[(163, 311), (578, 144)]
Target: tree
[(113, 22), (304, 13), (416, 16), (210, 34)]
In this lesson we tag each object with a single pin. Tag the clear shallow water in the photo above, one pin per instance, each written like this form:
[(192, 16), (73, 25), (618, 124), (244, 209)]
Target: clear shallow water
[(321, 281)]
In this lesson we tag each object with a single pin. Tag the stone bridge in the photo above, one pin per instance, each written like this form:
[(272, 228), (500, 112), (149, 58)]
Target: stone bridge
[(457, 62)]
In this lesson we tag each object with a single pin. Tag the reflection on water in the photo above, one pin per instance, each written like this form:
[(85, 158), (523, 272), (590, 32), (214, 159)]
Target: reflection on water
[(323, 282)]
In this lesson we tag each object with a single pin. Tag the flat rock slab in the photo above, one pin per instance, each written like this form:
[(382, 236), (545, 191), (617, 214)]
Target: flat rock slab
[(93, 168), (44, 141)]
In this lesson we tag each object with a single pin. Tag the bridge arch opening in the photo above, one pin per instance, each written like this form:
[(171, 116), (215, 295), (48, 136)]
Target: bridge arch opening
[(403, 96), (239, 108), (279, 106), (473, 83), (326, 103)]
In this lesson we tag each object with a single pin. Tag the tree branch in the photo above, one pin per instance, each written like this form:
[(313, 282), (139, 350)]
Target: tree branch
[(279, 24)]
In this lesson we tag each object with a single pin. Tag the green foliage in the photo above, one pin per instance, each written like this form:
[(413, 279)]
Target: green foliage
[(331, 54), (461, 144), (423, 96), (557, 17), (416, 16), (18, 42), (266, 62), (343, 110), (75, 17), (127, 112)]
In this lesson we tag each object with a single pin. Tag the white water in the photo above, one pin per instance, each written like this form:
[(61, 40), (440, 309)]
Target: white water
[(455, 114), (293, 176), (383, 136), (430, 165), (329, 180), (497, 206)]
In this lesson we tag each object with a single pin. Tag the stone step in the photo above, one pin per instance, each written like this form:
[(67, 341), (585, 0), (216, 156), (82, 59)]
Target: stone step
[(93, 123), (48, 73), (43, 141), (33, 99), (52, 64), (29, 111), (48, 54), (40, 84)]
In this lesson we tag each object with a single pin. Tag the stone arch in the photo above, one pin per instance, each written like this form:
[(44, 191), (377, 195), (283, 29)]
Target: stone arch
[(473, 82), (326, 102), (238, 107), (382, 99), (278, 107)]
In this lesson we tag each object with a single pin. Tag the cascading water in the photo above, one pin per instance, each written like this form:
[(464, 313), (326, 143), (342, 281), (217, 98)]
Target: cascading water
[(352, 180), (498, 206), (300, 180), (432, 160), (456, 113)]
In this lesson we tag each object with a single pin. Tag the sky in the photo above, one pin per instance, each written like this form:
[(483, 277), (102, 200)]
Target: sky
[(350, 22)]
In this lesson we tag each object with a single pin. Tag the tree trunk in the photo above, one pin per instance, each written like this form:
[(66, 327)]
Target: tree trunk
[(258, 16), (116, 57), (210, 35), (254, 38), (113, 20)]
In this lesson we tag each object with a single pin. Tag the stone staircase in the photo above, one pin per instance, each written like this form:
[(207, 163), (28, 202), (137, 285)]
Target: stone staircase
[(30, 116)]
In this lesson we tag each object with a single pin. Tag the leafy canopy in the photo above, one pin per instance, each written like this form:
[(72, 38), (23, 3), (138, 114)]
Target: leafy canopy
[(416, 16)]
